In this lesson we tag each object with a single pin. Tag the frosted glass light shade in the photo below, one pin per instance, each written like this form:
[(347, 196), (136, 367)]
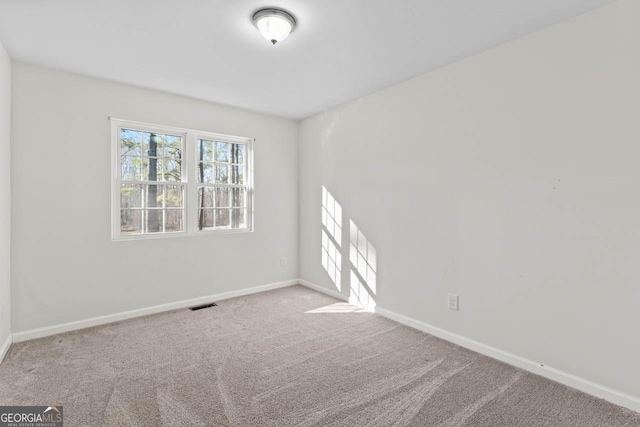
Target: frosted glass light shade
[(274, 28), (275, 25)]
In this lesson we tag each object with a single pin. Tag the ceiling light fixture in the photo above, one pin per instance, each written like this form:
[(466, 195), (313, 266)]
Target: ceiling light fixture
[(275, 25)]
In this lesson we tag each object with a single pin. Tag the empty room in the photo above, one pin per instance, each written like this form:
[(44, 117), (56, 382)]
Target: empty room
[(320, 213)]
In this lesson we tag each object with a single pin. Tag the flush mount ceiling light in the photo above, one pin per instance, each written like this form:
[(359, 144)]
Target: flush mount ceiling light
[(275, 25)]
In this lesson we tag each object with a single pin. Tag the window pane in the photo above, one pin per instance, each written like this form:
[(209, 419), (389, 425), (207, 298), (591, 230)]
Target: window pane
[(153, 196), (173, 196), (130, 196), (205, 197), (130, 221), (161, 144), (237, 174), (205, 173), (173, 220), (221, 174), (238, 218), (153, 220), (205, 150), (131, 143), (222, 151), (222, 198), (222, 218), (171, 169), (144, 168), (173, 147), (205, 219), (237, 153), (131, 168), (154, 143), (152, 169), (238, 197)]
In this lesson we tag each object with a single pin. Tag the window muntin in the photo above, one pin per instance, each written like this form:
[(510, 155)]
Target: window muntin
[(162, 174)]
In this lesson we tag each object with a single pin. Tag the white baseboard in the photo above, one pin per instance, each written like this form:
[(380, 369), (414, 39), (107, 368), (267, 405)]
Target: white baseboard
[(586, 386), (323, 290), (5, 348), (553, 374), (101, 320), (589, 387)]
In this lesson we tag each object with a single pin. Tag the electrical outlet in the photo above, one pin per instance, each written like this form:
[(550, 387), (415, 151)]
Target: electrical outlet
[(453, 302), (283, 262)]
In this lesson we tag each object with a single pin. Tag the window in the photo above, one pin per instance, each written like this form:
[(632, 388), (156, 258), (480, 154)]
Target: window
[(151, 185), (171, 181), (222, 190)]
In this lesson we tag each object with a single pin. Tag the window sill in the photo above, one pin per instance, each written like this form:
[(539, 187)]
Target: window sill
[(138, 237)]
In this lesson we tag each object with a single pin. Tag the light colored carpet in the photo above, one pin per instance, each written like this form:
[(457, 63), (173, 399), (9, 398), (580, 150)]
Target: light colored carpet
[(289, 357)]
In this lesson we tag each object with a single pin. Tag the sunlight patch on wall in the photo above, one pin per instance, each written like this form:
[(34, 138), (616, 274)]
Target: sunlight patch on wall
[(331, 237), (331, 259), (332, 216), (359, 294), (363, 256), (363, 260)]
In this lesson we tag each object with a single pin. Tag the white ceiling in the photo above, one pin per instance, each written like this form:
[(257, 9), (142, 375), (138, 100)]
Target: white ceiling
[(209, 49)]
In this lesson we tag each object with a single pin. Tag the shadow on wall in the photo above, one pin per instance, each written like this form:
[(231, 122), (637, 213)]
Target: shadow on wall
[(331, 237), (362, 255)]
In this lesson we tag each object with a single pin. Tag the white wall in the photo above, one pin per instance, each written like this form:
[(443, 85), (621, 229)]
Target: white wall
[(5, 195), (65, 266), (511, 178)]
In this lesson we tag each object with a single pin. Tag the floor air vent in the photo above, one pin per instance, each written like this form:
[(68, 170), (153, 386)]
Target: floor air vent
[(200, 307)]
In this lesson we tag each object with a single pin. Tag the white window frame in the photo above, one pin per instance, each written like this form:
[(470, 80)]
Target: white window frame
[(189, 179)]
